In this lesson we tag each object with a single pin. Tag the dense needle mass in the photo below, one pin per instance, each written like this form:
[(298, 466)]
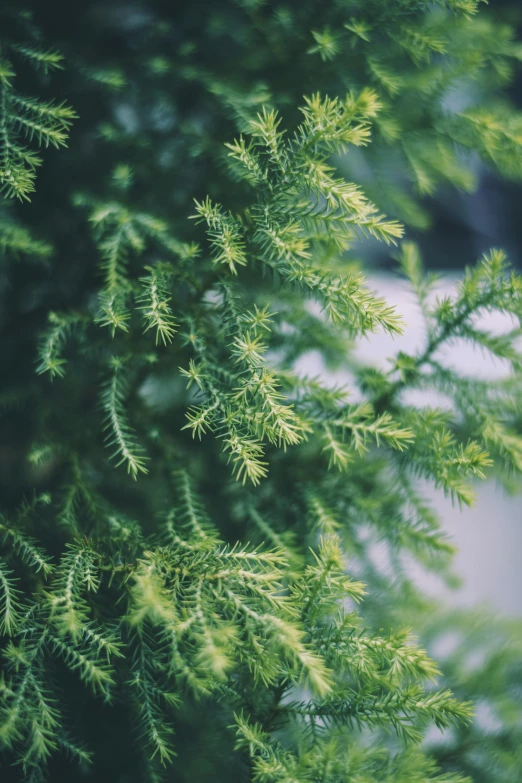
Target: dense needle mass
[(186, 547)]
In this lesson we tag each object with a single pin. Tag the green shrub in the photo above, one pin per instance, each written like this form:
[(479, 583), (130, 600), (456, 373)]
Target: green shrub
[(187, 584)]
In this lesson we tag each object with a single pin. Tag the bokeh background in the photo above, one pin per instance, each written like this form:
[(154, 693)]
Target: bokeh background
[(465, 225), (487, 536)]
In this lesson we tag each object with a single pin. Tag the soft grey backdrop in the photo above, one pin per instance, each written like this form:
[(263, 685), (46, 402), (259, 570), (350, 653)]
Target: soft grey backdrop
[(489, 535)]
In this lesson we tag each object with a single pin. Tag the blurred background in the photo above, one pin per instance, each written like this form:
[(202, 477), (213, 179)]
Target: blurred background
[(464, 225), (488, 536)]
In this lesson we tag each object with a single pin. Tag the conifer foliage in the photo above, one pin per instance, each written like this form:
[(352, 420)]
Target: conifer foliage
[(187, 582)]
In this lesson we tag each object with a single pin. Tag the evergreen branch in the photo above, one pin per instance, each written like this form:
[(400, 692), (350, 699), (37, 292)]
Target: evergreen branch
[(113, 312), (225, 235), (46, 59), (120, 436), (399, 711), (53, 342), (359, 422), (16, 239), (10, 602), (155, 731), (76, 573), (45, 122), (114, 252), (190, 515), (23, 546), (155, 299), (95, 673)]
